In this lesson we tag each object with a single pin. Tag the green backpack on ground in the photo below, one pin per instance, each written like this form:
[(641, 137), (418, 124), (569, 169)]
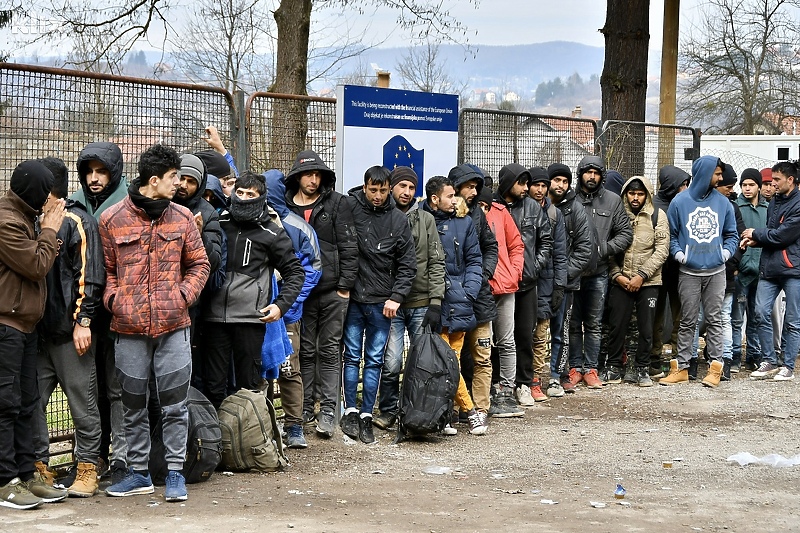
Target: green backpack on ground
[(250, 435)]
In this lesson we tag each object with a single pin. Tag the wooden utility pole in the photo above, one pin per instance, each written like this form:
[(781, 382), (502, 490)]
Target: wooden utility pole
[(669, 80)]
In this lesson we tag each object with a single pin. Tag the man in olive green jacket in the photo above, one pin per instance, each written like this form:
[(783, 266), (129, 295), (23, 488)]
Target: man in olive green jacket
[(635, 279)]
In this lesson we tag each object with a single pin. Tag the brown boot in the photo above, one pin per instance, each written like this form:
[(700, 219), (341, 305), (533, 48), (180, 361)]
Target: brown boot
[(714, 374), (85, 484), (46, 475), (675, 374)]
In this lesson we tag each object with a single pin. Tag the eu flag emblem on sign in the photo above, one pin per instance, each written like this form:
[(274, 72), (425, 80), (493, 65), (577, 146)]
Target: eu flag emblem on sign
[(398, 152)]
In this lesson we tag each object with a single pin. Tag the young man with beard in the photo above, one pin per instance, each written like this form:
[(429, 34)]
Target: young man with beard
[(310, 193), (236, 313), (779, 270), (614, 235), (703, 237), (534, 228), (103, 185), (156, 266), (672, 180), (768, 191), (468, 182), (26, 256), (463, 272), (550, 289), (387, 268), (635, 278), (580, 245), (423, 306), (753, 207)]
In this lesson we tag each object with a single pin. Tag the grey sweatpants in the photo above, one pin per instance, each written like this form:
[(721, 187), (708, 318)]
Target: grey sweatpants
[(60, 364), (504, 339), (168, 360), (711, 291)]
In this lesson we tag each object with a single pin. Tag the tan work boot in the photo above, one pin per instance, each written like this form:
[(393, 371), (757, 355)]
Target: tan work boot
[(46, 475), (714, 374), (85, 484), (675, 375)]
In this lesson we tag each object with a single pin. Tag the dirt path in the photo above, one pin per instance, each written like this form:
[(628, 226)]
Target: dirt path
[(572, 451)]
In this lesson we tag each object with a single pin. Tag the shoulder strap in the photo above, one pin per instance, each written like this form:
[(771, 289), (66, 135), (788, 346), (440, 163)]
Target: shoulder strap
[(654, 217), (551, 212)]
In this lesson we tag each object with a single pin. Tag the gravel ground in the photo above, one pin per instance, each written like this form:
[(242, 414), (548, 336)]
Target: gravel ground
[(572, 451)]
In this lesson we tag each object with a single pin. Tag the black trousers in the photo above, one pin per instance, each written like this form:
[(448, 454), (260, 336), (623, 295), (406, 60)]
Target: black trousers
[(242, 343), (525, 308), (621, 304), (19, 398)]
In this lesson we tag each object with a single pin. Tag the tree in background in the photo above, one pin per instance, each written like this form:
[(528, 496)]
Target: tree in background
[(421, 69), (742, 71)]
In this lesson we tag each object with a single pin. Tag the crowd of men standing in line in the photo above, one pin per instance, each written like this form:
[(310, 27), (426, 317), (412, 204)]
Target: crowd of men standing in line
[(125, 294)]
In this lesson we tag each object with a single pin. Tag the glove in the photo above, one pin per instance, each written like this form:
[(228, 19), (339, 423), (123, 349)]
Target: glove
[(433, 317), (556, 299)]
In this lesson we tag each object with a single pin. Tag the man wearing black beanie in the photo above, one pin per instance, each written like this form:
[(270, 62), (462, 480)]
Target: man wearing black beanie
[(25, 259)]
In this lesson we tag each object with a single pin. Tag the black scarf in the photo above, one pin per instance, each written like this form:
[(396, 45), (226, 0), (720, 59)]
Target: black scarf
[(248, 210), (153, 207)]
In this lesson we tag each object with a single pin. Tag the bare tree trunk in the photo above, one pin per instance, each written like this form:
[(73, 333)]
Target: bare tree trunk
[(624, 82), (289, 122)]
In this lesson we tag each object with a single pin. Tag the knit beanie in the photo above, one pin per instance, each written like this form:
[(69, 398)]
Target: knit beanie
[(728, 176), (32, 181), (538, 174), (403, 174), (192, 166), (766, 175), (215, 163), (559, 169), (751, 174)]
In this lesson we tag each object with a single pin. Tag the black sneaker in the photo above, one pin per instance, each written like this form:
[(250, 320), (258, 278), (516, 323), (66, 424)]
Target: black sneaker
[(365, 430), (350, 425), (643, 378), (325, 423), (118, 471), (693, 369), (726, 370), (611, 376), (308, 417), (67, 481)]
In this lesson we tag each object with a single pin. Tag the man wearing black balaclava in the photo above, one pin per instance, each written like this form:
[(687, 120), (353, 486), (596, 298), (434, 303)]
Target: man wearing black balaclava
[(25, 258), (235, 314)]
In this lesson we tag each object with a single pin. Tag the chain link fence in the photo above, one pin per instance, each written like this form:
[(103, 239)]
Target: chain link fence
[(641, 149), (49, 111), (278, 123), (492, 138)]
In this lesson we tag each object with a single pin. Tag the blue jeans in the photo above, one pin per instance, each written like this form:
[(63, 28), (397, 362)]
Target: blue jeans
[(406, 320), (364, 321), (744, 304), (766, 294), (584, 327)]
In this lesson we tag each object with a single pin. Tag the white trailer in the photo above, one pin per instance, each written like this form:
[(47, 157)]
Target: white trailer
[(755, 151)]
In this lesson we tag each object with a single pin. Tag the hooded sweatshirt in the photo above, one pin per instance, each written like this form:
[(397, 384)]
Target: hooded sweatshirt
[(702, 224), (303, 237), (111, 156), (332, 219)]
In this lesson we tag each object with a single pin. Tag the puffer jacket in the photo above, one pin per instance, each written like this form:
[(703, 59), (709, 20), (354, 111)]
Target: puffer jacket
[(534, 227), (111, 156), (485, 307), (555, 272), (428, 285), (25, 260), (462, 258), (155, 269), (76, 281), (387, 259), (510, 250), (332, 219), (650, 246), (780, 254), (670, 179), (753, 216), (580, 239), (612, 225), (255, 250)]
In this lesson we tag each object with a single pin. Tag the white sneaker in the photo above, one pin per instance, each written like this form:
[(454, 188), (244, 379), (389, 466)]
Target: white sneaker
[(524, 397), (784, 374), (450, 430), (554, 389), (477, 423), (764, 371)]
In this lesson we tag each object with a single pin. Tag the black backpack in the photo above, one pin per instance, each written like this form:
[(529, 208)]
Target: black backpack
[(203, 442), (429, 386)]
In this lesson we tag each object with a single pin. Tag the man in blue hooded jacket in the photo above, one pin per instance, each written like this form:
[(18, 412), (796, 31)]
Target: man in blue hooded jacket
[(306, 248), (703, 237)]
